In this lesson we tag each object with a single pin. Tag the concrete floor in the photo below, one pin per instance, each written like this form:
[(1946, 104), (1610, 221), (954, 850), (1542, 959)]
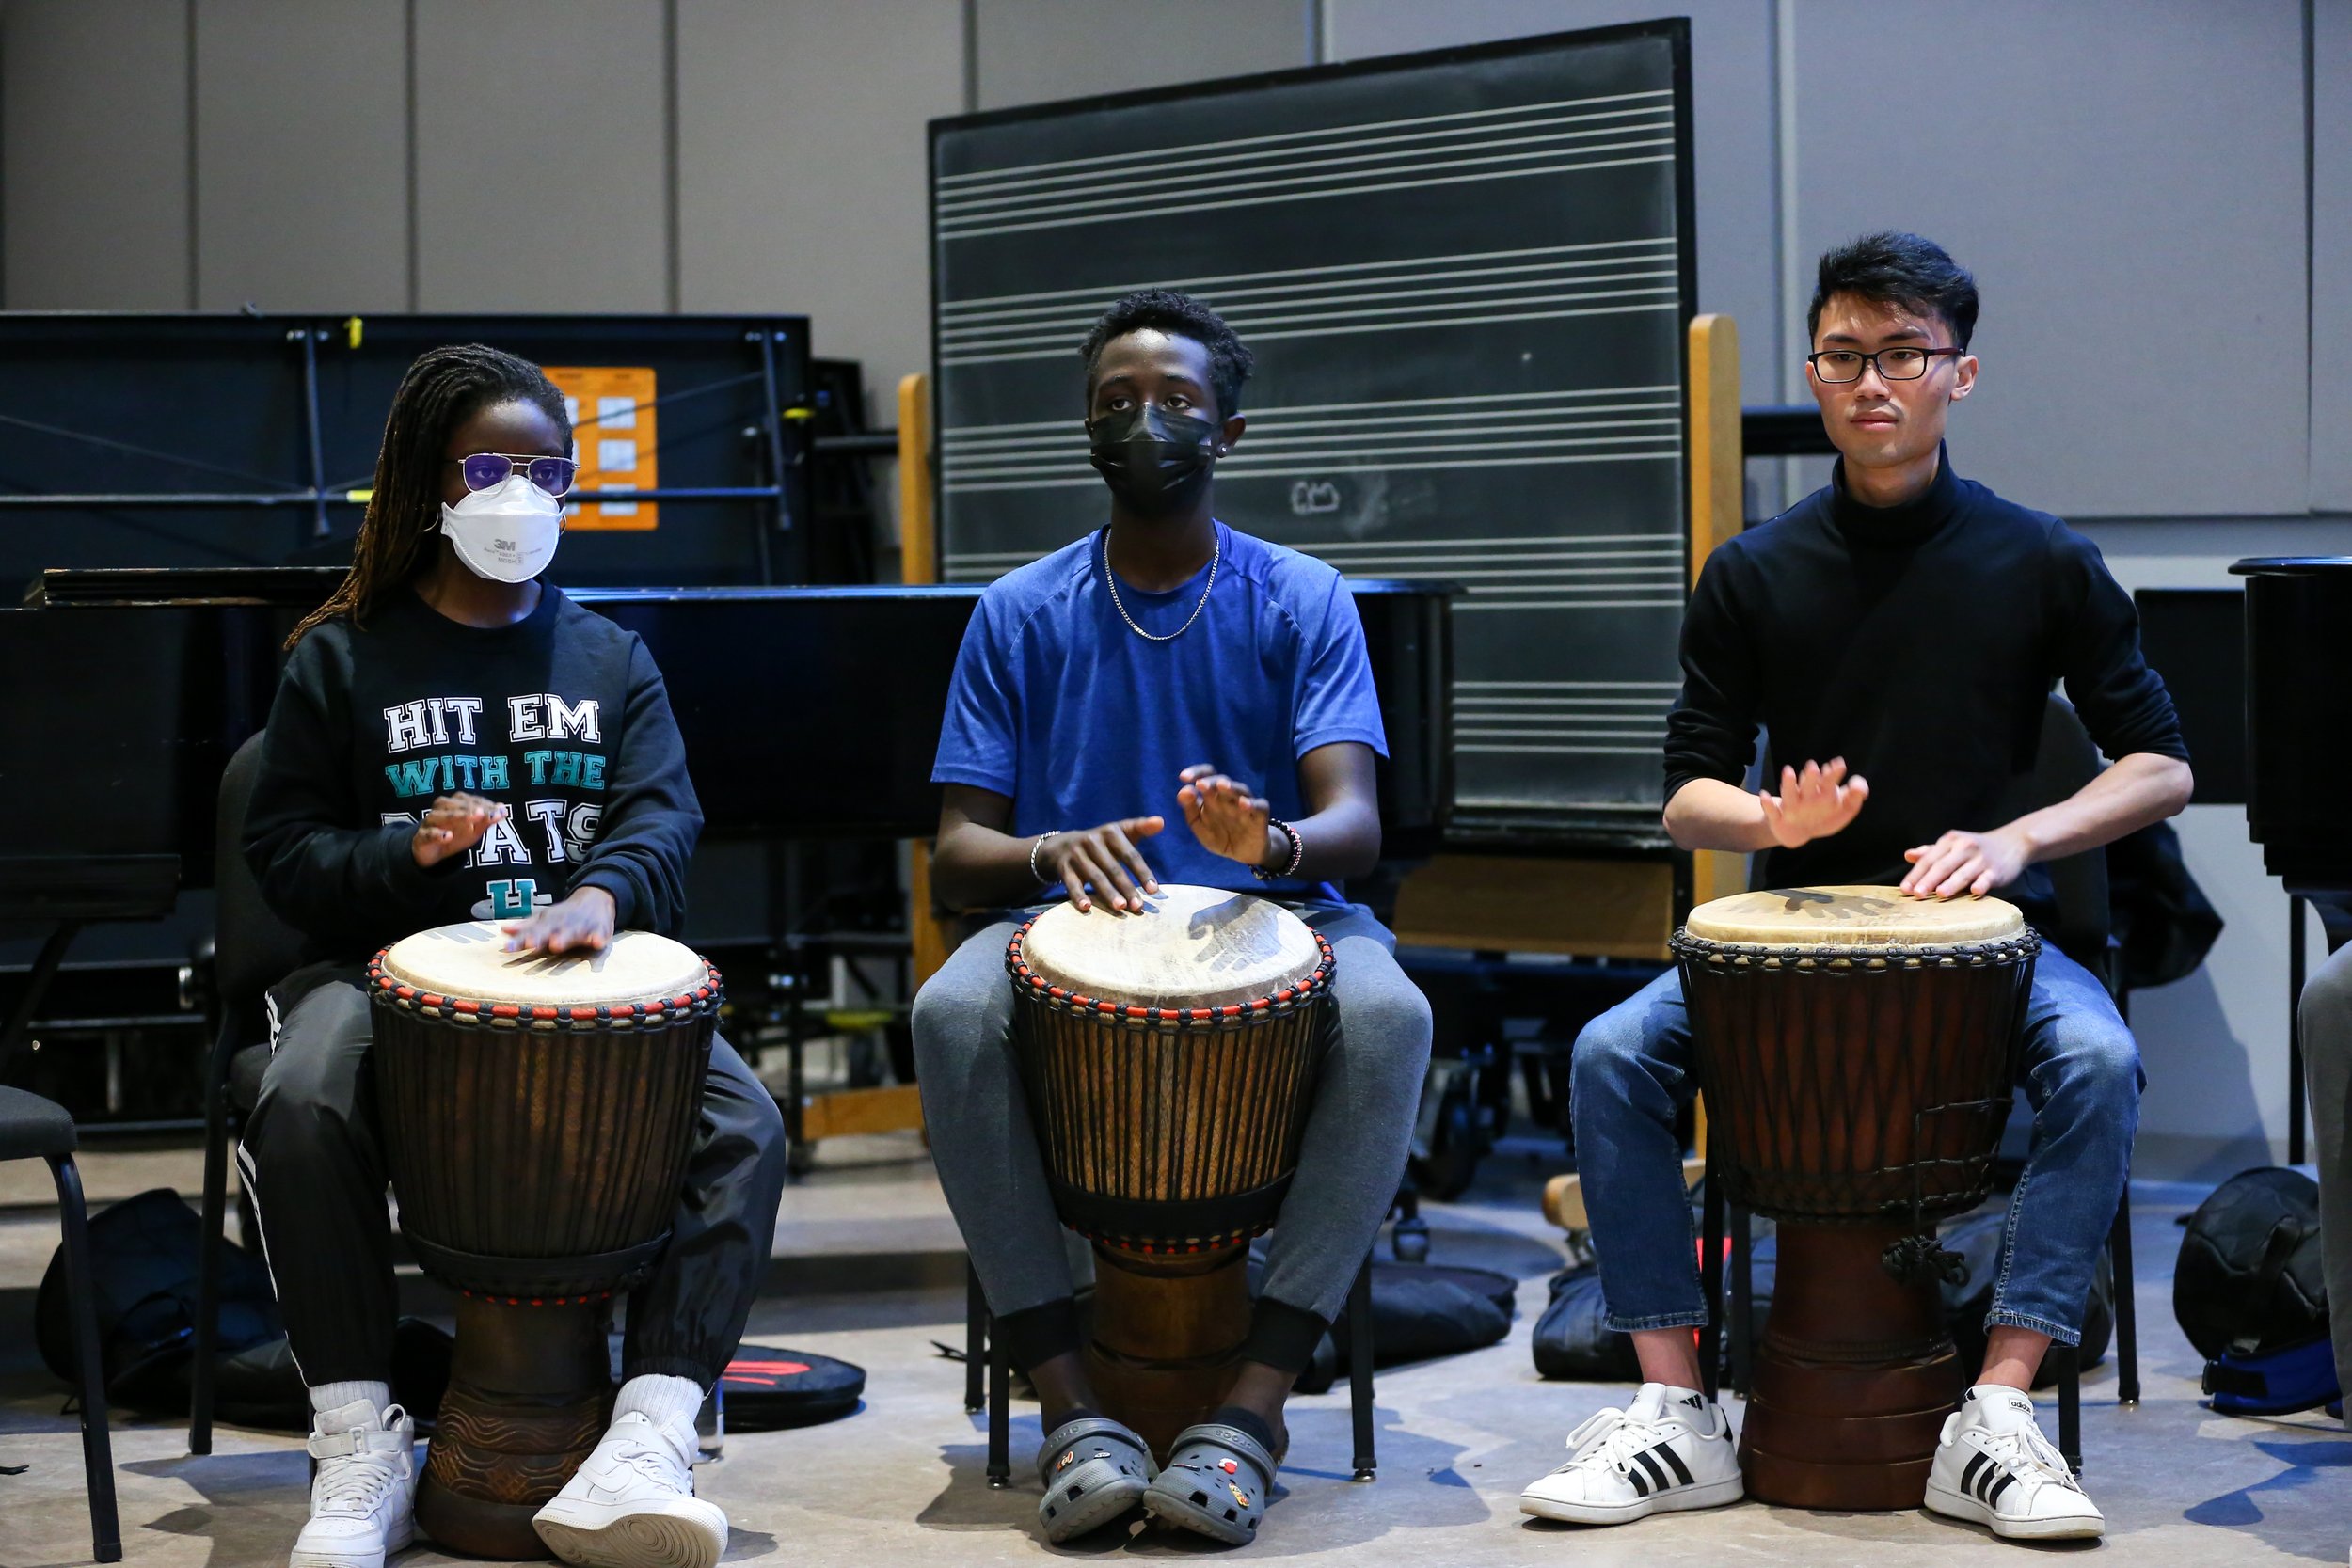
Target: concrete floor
[(868, 1271)]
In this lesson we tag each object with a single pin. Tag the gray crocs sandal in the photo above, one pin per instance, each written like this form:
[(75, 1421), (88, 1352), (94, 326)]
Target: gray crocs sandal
[(1215, 1483), (1095, 1470)]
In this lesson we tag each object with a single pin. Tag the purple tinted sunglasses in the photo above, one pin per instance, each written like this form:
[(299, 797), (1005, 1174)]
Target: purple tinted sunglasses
[(484, 471)]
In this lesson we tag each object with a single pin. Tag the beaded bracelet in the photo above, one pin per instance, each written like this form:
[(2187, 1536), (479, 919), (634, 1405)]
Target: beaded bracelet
[(1298, 853)]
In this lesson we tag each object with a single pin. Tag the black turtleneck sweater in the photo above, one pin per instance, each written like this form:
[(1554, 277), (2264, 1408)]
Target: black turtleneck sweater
[(1919, 643)]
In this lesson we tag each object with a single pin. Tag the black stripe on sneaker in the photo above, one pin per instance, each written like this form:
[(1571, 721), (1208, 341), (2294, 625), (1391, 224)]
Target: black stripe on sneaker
[(1657, 1475), (1968, 1476), (1993, 1493), (1666, 1452), (1640, 1487)]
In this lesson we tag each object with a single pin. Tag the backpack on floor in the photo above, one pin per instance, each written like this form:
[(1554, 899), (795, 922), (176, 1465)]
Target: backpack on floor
[(143, 1263), (2250, 1294)]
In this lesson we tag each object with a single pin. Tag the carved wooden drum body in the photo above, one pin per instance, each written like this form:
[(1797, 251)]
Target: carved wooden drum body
[(538, 1113), (1858, 1050), (1169, 1060)]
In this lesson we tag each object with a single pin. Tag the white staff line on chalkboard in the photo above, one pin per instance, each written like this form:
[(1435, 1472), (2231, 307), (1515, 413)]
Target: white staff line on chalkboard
[(957, 473), (1334, 269), (1481, 703), (1261, 334), (1258, 193), (1289, 443), (1069, 329), (1157, 209), (1660, 118), (1565, 750), (1342, 136), (1342, 549), (1244, 464), (1340, 305), (1588, 604), (1568, 542), (1560, 686), (1287, 431), (955, 433), (1323, 470), (1269, 138), (1463, 563), (1082, 309)]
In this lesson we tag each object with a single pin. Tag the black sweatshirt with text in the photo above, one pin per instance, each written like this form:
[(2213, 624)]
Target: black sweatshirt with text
[(1919, 643), (561, 717)]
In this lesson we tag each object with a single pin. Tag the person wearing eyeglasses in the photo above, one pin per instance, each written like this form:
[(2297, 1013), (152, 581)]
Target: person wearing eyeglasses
[(1896, 633), (454, 739)]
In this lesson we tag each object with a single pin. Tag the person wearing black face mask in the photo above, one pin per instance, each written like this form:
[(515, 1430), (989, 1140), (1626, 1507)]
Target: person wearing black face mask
[(1165, 660)]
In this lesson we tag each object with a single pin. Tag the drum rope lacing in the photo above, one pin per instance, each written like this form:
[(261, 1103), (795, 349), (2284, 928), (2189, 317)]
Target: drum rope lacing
[(1920, 1255)]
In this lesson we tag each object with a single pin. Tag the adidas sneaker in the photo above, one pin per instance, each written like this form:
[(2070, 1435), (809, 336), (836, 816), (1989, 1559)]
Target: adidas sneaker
[(1994, 1468), (1669, 1450)]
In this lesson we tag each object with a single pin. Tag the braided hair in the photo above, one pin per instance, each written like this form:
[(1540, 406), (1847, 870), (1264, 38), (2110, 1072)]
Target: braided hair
[(443, 387)]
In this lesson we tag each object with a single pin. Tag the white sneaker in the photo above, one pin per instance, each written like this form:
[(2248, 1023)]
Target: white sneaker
[(1656, 1455), (363, 1498), (1994, 1466), (631, 1504)]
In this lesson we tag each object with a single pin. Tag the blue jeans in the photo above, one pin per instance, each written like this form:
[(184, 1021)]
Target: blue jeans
[(2082, 1077)]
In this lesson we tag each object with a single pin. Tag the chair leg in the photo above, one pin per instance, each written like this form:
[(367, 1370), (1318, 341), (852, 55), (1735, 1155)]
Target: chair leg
[(2126, 1304), (98, 1463), (1742, 1297), (974, 1342), (2070, 1406), (1360, 1353), (999, 1410), (209, 1258), (1711, 1280)]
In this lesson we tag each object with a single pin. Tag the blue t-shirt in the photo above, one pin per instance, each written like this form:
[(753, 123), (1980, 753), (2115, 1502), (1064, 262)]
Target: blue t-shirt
[(1058, 705)]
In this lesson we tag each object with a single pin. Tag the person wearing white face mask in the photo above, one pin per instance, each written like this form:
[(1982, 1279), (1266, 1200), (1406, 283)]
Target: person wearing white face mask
[(455, 739)]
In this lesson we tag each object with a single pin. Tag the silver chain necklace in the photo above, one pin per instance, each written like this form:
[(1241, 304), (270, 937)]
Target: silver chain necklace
[(1216, 551)]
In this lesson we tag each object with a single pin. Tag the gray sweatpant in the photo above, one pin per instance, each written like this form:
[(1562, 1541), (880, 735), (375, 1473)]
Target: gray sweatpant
[(1349, 1164), (2327, 1017)]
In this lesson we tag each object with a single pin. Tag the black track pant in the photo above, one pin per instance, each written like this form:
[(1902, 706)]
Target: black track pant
[(313, 1159)]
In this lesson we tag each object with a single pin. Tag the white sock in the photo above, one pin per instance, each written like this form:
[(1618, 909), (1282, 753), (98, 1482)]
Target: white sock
[(671, 1401), (334, 1396), (1684, 1396)]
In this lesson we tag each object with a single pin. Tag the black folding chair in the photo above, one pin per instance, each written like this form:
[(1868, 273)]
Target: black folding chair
[(32, 1128)]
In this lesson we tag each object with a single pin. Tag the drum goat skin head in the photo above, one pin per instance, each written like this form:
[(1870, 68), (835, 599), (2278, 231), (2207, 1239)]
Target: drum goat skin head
[(471, 959), (1827, 916), (1190, 948)]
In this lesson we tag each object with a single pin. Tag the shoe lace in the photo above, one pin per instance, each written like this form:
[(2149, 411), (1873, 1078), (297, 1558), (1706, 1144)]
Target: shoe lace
[(1609, 1439), (2031, 1457), (655, 1457)]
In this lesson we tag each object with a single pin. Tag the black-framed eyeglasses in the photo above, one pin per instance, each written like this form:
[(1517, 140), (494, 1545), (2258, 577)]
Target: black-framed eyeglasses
[(1840, 365), (486, 471)]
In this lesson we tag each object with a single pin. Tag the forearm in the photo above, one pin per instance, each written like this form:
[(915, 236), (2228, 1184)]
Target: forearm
[(975, 866), (1340, 841), (1709, 814), (2141, 788)]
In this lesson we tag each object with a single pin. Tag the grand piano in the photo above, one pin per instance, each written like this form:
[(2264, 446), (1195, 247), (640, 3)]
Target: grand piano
[(808, 714)]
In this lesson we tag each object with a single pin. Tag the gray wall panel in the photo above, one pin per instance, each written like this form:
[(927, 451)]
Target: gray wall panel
[(2138, 187), (1732, 120), (2331, 256), (301, 154), (94, 121), (542, 163), (801, 168), (1035, 51)]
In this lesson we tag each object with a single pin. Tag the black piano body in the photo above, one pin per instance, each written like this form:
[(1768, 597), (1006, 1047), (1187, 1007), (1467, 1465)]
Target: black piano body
[(2299, 720)]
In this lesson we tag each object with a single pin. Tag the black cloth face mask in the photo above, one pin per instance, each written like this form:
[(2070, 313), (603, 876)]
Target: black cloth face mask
[(1156, 462)]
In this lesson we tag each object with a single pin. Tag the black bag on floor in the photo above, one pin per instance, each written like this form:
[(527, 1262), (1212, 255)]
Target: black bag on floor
[(143, 1261), (1419, 1311), (2251, 1295), (1571, 1341)]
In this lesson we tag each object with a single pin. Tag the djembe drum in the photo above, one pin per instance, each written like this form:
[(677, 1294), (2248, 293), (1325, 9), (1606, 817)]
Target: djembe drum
[(1169, 1060), (538, 1112), (1856, 1048)]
